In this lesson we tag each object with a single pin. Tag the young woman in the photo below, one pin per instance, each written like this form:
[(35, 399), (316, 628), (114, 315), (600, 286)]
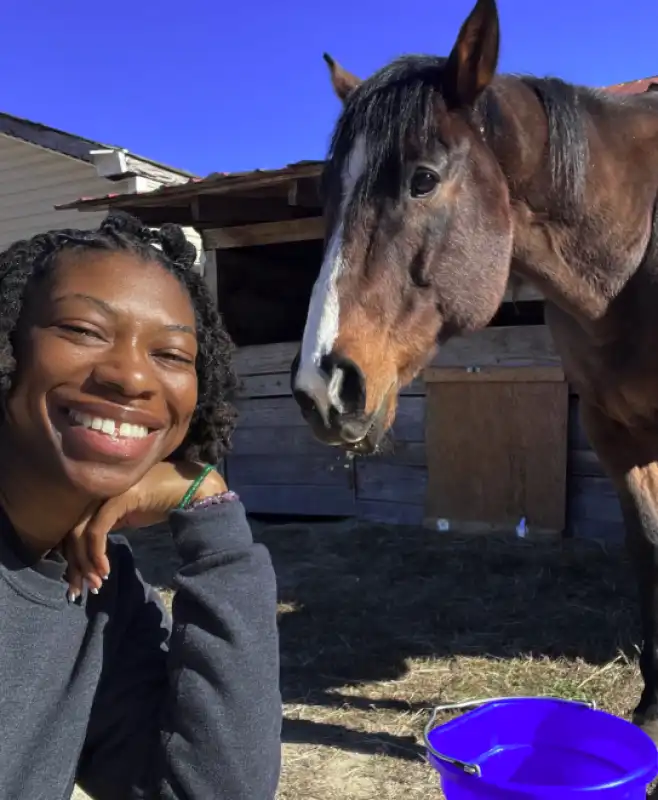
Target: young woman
[(114, 372)]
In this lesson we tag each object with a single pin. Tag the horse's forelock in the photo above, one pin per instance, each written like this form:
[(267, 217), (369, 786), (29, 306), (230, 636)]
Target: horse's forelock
[(394, 111)]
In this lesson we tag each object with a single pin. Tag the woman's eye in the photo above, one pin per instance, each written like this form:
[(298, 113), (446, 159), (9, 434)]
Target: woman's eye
[(176, 357), (80, 330), (423, 182)]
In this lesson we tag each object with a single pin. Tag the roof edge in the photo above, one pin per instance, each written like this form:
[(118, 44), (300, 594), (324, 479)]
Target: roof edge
[(74, 146), (218, 183)]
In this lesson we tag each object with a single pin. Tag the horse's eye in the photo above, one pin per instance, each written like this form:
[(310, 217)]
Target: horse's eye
[(423, 182)]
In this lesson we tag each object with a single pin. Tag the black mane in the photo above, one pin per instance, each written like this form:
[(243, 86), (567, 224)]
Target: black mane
[(565, 107), (396, 110)]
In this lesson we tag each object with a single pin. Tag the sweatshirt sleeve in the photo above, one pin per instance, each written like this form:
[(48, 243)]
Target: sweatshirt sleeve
[(196, 712)]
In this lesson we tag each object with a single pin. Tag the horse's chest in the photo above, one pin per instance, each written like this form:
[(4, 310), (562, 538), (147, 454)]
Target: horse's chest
[(633, 404), (620, 378), (627, 393)]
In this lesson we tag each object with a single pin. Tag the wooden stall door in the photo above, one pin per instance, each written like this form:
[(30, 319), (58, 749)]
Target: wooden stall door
[(497, 447)]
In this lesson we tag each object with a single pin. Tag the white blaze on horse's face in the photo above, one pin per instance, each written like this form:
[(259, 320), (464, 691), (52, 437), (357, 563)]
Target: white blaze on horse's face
[(321, 329)]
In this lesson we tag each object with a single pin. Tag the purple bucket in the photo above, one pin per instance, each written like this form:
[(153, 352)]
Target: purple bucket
[(539, 748)]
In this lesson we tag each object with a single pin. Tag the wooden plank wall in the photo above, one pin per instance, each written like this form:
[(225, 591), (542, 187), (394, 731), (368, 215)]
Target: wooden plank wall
[(277, 465)]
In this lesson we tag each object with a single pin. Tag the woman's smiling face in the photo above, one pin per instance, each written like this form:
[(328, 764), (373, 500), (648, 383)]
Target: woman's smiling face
[(105, 383)]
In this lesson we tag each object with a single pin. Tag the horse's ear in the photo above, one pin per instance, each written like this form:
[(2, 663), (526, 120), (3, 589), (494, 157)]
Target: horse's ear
[(472, 64), (343, 81)]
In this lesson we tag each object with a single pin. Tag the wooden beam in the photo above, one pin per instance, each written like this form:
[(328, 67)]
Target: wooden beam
[(181, 215), (291, 230), (156, 172), (305, 193), (195, 209), (517, 346), (220, 212), (494, 375)]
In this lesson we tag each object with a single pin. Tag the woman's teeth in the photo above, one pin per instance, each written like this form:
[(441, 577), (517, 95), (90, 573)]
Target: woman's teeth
[(109, 426)]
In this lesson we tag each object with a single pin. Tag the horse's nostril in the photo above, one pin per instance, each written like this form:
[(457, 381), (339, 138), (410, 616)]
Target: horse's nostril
[(329, 394), (347, 385)]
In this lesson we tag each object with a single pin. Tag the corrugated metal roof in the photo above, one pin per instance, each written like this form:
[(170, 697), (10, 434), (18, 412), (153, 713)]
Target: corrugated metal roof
[(217, 183), (633, 87)]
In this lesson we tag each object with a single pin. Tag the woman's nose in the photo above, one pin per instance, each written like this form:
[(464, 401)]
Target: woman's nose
[(126, 370)]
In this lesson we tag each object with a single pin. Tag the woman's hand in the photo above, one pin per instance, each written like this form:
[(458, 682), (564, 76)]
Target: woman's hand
[(146, 503)]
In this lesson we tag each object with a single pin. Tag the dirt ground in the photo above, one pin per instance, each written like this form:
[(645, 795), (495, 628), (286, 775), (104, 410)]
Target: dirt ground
[(380, 624)]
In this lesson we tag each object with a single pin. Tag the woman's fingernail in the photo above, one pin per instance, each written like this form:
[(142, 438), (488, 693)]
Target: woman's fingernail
[(72, 596), (106, 577), (94, 590)]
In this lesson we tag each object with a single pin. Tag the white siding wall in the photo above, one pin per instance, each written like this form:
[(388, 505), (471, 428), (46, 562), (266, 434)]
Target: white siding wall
[(33, 180)]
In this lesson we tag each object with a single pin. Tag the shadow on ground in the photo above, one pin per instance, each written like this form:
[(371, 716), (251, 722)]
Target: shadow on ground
[(303, 731), (358, 601)]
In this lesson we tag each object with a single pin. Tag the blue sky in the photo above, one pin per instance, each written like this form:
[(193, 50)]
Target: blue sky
[(213, 85)]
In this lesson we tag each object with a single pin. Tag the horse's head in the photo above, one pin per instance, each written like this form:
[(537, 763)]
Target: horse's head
[(418, 234)]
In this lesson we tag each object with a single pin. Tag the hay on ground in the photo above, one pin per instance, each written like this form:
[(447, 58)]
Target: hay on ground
[(379, 624)]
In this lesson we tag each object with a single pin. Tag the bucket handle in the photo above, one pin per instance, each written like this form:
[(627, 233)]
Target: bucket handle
[(474, 769)]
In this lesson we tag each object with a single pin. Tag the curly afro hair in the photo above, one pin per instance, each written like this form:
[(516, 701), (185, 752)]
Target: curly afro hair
[(26, 261)]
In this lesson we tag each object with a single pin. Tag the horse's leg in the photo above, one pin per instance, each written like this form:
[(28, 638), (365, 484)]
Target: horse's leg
[(630, 461)]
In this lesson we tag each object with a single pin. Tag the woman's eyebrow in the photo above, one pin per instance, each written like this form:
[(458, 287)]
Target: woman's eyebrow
[(107, 308), (181, 328)]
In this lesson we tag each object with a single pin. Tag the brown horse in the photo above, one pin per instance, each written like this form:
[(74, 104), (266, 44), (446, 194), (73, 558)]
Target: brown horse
[(443, 180)]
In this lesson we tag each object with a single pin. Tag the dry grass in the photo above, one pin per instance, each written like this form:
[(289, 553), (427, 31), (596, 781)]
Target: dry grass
[(379, 624)]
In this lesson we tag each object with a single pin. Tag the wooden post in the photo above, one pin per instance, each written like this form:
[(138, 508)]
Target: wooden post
[(210, 273)]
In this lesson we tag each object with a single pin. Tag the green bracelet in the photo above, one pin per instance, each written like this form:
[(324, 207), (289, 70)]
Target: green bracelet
[(189, 494)]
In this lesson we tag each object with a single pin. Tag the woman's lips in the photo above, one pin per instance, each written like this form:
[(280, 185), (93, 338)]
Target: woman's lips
[(92, 438), (109, 426), (105, 410)]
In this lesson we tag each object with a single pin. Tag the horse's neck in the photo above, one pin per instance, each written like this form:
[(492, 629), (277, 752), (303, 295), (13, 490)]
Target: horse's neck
[(583, 262)]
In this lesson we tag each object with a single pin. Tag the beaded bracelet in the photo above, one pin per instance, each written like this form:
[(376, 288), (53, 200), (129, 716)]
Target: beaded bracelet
[(189, 494), (213, 500)]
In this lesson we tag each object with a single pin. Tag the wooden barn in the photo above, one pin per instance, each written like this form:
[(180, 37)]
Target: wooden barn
[(487, 436)]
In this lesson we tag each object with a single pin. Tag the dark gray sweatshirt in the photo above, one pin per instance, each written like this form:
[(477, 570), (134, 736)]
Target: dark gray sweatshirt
[(106, 691)]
